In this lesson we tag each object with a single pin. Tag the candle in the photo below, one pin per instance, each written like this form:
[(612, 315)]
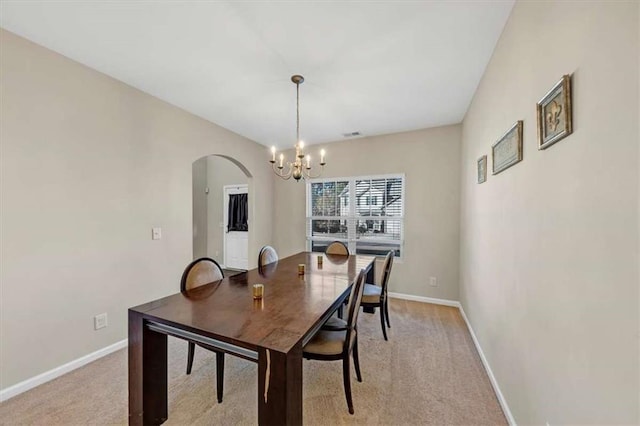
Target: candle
[(322, 156), (281, 159), (301, 144), (273, 154), (308, 161)]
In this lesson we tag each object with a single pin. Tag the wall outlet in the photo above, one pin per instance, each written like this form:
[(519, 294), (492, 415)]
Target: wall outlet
[(156, 233), (100, 321), (433, 281)]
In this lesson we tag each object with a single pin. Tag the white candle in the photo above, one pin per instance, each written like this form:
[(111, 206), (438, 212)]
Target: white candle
[(273, 153), (322, 156), (281, 159), (308, 161)]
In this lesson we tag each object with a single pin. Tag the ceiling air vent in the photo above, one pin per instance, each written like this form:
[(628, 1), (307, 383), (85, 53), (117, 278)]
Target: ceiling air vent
[(351, 134)]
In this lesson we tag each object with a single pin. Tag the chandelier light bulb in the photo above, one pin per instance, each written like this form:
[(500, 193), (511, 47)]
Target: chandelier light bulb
[(301, 144), (273, 153)]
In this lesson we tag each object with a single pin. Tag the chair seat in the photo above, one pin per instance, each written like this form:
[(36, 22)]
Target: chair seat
[(327, 342), (371, 293), (335, 323)]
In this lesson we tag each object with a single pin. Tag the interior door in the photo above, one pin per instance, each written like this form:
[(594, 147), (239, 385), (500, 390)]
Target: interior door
[(236, 243)]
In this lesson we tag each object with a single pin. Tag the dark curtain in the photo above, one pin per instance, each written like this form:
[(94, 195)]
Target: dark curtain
[(238, 212)]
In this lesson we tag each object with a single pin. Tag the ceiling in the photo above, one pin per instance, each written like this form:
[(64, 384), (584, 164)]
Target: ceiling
[(370, 67)]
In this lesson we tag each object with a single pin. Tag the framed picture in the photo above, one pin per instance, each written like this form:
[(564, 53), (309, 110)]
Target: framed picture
[(554, 114), (482, 169), (508, 150)]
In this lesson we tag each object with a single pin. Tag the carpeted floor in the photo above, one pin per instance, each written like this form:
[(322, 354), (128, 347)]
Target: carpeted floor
[(427, 373)]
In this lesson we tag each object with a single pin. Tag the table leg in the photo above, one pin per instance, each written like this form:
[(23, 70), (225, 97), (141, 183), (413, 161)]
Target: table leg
[(280, 387), (147, 373)]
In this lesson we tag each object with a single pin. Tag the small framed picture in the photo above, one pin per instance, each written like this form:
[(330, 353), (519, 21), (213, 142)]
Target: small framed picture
[(507, 151), (554, 114), (482, 169)]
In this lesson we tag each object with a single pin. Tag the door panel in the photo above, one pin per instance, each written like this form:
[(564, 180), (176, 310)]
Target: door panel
[(236, 243)]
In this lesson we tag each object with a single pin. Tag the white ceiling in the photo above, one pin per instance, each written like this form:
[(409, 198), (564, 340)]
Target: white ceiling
[(372, 67)]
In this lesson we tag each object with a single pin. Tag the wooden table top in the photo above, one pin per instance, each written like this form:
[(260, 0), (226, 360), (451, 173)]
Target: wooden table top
[(292, 304)]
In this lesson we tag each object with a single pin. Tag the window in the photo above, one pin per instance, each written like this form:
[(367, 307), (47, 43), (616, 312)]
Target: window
[(366, 213)]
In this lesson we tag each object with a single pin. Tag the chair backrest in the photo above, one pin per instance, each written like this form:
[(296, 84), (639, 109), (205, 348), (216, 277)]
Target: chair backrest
[(337, 247), (354, 307), (386, 271), (200, 272), (267, 255)]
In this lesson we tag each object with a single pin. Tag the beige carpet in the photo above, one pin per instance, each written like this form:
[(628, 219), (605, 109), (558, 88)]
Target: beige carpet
[(427, 373)]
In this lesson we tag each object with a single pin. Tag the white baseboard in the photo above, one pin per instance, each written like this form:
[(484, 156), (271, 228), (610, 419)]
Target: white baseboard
[(433, 300), (487, 367), (31, 383)]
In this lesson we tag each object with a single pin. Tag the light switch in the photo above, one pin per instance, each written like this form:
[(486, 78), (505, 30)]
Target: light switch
[(156, 233)]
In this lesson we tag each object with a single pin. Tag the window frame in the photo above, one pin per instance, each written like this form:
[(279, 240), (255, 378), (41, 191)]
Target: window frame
[(351, 241)]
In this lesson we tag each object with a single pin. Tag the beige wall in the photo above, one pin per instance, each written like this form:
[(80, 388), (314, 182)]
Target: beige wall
[(220, 172), (200, 208), (430, 160), (549, 248), (88, 166)]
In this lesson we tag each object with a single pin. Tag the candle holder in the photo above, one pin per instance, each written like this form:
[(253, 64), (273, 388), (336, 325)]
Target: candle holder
[(320, 258), (301, 269), (258, 291)]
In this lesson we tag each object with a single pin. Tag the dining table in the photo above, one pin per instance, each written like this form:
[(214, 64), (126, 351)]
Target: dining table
[(270, 331)]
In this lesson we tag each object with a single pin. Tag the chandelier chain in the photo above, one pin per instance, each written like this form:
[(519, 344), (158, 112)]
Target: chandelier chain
[(297, 113)]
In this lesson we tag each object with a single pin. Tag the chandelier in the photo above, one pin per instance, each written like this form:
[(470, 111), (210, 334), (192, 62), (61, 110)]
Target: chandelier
[(298, 168)]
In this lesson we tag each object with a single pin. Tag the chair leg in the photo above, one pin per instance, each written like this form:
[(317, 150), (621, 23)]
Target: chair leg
[(356, 360), (192, 349), (386, 311), (219, 374), (382, 323), (346, 374), (340, 311)]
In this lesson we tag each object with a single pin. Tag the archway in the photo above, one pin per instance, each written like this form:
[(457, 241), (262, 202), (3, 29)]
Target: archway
[(216, 181)]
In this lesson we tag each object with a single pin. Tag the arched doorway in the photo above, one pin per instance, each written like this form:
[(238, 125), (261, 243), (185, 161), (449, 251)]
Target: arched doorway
[(221, 214)]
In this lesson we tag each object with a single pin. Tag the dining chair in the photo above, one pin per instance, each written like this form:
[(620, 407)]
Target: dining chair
[(200, 272), (267, 255), (337, 345), (338, 248), (376, 296)]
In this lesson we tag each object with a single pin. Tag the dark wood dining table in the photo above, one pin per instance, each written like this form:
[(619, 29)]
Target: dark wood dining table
[(223, 314)]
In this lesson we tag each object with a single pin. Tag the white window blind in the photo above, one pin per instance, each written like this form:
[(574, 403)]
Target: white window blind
[(366, 213)]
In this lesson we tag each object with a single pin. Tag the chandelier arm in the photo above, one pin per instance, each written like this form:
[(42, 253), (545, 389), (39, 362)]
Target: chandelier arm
[(308, 175), (280, 172)]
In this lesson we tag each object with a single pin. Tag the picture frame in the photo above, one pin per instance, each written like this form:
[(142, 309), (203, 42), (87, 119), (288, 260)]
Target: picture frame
[(482, 169), (554, 114), (507, 151)]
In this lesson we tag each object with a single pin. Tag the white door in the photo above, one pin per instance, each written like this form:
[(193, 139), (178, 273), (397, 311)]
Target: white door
[(236, 243)]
